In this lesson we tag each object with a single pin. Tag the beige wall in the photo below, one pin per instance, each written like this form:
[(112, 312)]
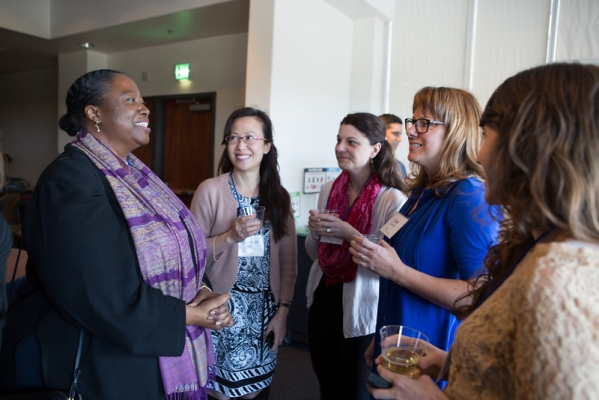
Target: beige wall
[(218, 65), (28, 120), (309, 63)]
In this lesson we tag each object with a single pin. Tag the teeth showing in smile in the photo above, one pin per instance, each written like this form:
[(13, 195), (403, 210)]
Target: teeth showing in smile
[(415, 145), (144, 124)]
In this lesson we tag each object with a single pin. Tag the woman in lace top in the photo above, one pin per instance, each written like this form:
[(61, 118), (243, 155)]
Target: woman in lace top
[(532, 321)]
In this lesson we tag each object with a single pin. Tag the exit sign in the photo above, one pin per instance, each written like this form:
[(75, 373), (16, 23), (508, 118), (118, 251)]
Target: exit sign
[(182, 71)]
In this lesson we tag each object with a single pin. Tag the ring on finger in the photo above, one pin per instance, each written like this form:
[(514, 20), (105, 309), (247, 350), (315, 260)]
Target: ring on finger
[(362, 257), (328, 230)]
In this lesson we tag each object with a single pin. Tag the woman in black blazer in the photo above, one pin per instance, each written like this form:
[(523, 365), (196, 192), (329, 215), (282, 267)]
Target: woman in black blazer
[(113, 254)]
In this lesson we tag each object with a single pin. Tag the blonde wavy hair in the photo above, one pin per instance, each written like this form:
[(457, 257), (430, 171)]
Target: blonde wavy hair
[(460, 112), (545, 164)]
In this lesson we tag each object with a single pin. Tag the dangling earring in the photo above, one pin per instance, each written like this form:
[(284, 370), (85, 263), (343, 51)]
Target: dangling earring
[(98, 126), (372, 166)]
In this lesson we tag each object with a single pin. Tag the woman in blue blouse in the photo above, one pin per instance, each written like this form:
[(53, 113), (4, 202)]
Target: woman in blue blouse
[(449, 228)]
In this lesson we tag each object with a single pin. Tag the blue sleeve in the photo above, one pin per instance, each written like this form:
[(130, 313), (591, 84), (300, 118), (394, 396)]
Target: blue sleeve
[(472, 227), (402, 169)]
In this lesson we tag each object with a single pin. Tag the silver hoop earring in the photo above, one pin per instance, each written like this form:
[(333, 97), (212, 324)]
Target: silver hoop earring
[(98, 126)]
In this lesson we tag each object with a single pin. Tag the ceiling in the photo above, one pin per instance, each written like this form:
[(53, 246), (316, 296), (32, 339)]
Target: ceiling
[(21, 52)]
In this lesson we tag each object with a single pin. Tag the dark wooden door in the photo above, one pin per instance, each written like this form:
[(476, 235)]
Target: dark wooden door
[(188, 146), (180, 149)]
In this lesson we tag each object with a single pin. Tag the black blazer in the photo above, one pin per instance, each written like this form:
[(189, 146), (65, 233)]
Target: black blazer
[(83, 273)]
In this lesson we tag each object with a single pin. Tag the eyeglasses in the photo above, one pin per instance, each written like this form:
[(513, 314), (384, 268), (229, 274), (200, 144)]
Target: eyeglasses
[(421, 124), (248, 139)]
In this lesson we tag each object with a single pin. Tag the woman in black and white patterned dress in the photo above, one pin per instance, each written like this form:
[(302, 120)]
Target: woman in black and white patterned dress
[(256, 262)]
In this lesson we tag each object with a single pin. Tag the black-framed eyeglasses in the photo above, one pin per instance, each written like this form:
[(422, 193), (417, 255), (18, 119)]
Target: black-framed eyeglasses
[(422, 124), (247, 139)]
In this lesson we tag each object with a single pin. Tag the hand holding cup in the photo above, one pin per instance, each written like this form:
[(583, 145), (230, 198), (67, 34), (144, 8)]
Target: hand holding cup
[(321, 221), (249, 222), (401, 348)]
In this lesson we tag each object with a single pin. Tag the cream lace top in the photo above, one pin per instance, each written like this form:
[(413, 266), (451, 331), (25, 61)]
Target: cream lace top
[(537, 336)]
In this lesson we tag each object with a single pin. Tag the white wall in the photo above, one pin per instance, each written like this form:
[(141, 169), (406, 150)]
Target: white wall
[(71, 67), (431, 44), (310, 88), (29, 115), (428, 49), (28, 120), (368, 65), (300, 62), (218, 65), (50, 19), (510, 36), (578, 31), (69, 17), (30, 17)]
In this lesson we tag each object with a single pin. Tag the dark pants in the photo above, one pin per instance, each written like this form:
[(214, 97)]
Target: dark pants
[(338, 362)]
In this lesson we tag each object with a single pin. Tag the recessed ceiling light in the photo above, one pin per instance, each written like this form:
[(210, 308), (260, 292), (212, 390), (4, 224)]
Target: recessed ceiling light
[(87, 45)]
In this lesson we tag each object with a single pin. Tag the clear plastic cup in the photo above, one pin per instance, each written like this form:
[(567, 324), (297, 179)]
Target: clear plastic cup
[(402, 348), (253, 210), (326, 211), (373, 237)]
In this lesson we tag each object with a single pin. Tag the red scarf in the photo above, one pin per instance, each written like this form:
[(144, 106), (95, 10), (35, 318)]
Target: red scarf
[(335, 260)]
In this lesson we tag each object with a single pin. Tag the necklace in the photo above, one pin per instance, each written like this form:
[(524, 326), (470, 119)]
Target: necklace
[(350, 202)]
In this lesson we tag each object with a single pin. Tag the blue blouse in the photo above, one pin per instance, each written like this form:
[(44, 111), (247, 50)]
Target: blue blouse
[(445, 237)]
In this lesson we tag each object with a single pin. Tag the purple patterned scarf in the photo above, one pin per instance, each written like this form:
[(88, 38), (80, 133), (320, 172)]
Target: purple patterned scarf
[(160, 224)]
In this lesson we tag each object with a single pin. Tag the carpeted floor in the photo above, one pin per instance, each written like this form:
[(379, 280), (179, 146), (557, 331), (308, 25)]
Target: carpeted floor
[(294, 378)]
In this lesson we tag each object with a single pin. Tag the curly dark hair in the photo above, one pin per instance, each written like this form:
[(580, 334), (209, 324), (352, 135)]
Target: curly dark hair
[(272, 194), (545, 166), (88, 89)]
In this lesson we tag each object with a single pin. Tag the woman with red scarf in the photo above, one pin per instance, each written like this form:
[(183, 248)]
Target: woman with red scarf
[(342, 297)]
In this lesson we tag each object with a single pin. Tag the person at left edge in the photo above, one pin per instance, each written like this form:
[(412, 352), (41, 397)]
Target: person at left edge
[(115, 254), (6, 240)]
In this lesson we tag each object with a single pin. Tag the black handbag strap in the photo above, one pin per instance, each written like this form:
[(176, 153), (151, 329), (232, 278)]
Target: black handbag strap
[(73, 391), (14, 273), (77, 370)]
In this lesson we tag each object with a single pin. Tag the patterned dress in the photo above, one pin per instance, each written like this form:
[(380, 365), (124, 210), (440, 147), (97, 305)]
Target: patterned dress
[(245, 362)]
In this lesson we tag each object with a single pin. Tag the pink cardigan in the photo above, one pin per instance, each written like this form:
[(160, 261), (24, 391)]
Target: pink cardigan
[(216, 209)]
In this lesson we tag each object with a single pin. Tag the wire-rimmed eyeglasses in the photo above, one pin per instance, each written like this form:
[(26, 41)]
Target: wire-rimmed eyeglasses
[(422, 124), (247, 139)]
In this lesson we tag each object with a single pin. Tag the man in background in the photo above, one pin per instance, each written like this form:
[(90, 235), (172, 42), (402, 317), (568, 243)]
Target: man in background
[(394, 127)]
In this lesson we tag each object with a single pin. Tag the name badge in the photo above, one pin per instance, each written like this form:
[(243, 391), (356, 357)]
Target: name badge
[(252, 246), (394, 225)]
